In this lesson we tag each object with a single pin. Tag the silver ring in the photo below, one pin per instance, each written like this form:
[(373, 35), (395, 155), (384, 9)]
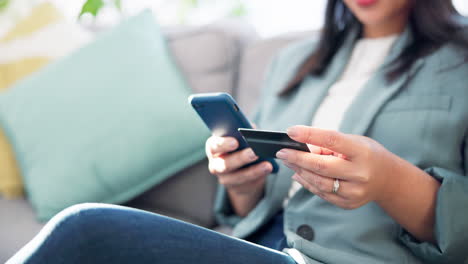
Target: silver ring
[(336, 186)]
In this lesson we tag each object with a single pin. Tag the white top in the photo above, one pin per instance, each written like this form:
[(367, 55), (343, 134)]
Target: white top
[(368, 55)]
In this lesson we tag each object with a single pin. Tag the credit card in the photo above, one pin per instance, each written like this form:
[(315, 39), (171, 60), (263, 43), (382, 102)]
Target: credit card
[(267, 143)]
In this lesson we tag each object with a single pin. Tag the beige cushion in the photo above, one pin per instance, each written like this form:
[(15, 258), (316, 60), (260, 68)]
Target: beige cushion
[(254, 63), (209, 56), (187, 195)]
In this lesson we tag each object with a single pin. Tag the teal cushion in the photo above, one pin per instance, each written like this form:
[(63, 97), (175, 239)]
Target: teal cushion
[(104, 124)]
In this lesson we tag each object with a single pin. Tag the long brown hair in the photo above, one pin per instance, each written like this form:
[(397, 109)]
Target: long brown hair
[(434, 23)]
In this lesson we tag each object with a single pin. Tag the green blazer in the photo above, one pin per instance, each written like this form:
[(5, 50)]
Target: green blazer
[(422, 117)]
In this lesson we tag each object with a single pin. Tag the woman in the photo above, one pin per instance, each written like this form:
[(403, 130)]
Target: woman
[(391, 186)]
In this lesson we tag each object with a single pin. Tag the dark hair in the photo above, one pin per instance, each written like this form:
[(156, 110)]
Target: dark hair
[(434, 23)]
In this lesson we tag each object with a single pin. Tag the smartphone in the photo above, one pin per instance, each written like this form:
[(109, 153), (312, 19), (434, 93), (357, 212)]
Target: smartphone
[(223, 117), (267, 143)]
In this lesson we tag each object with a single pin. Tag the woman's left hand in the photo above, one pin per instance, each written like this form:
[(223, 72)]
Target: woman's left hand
[(362, 166)]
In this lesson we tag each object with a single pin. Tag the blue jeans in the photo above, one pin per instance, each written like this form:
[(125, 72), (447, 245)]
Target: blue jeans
[(94, 233), (271, 234)]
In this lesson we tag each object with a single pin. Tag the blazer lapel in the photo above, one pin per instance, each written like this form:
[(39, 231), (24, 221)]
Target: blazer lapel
[(377, 92)]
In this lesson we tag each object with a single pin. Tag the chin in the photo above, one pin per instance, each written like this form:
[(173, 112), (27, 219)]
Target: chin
[(378, 12), (370, 19)]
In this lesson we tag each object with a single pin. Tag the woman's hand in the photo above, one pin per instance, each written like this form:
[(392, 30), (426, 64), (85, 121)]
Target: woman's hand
[(244, 185), (366, 172), (363, 166), (227, 166)]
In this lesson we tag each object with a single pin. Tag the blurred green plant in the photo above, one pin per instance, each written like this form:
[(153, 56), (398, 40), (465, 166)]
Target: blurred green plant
[(239, 10), (94, 6), (3, 4), (185, 7)]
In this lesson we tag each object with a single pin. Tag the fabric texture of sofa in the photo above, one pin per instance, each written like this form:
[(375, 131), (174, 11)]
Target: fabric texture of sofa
[(226, 56)]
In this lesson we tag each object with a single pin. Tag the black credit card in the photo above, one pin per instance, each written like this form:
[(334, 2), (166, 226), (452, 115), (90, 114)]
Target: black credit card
[(267, 143)]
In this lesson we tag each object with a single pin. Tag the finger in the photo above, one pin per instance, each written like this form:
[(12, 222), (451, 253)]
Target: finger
[(348, 191), (216, 146), (319, 150), (232, 162), (329, 139), (246, 176), (325, 165), (325, 184), (291, 166), (330, 197)]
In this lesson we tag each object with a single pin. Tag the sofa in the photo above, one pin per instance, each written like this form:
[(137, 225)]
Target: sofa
[(226, 56)]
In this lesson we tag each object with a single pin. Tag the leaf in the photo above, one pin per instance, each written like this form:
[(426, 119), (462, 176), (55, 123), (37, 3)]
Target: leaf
[(118, 4), (3, 4), (238, 11), (191, 3), (92, 7)]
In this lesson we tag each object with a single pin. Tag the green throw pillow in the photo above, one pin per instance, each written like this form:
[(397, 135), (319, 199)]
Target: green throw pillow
[(104, 124)]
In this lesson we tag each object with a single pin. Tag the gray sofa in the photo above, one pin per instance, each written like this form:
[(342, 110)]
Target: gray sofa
[(227, 56)]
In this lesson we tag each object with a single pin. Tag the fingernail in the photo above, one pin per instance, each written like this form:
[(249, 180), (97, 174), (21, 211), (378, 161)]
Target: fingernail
[(232, 144), (266, 168), (282, 154), (293, 132), (251, 155)]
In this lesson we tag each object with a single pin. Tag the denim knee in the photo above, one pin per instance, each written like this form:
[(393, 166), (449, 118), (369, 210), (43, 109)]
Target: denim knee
[(77, 215)]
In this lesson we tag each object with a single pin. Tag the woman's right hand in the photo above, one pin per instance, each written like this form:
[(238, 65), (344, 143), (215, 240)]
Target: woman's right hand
[(228, 167)]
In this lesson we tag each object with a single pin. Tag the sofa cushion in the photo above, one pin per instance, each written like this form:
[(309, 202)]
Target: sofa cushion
[(104, 124), (254, 63), (30, 44), (11, 184), (198, 187), (209, 56)]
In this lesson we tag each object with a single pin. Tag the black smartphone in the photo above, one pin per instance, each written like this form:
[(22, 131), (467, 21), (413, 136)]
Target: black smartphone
[(267, 143), (223, 117)]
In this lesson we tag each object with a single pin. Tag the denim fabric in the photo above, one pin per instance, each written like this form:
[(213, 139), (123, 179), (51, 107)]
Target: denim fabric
[(93, 233), (271, 235)]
